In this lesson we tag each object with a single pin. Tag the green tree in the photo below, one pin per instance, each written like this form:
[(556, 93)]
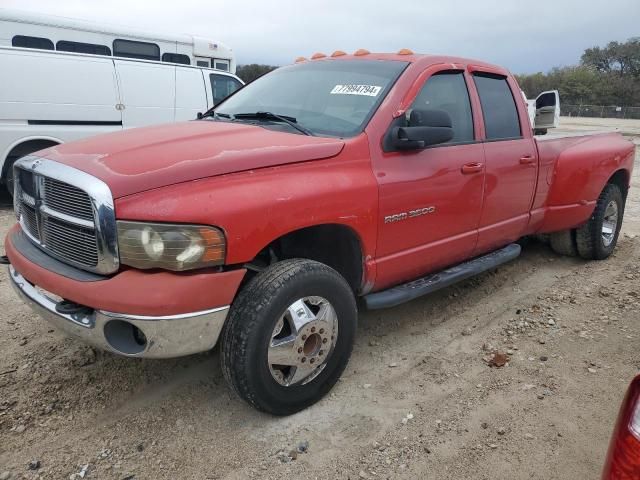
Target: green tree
[(248, 73)]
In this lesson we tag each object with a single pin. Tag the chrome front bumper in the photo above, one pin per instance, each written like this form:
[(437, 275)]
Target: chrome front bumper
[(162, 337)]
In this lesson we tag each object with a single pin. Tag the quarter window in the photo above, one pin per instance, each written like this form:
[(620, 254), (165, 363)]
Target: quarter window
[(447, 91), (32, 42), (131, 49), (176, 58), (78, 47), (222, 86), (499, 110)]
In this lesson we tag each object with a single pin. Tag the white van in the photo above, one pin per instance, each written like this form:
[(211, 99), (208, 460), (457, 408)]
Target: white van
[(49, 97)]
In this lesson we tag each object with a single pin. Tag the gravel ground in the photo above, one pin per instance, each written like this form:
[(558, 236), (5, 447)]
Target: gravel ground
[(418, 399)]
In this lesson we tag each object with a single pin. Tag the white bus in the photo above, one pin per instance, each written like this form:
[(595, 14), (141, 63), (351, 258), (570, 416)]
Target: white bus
[(48, 32)]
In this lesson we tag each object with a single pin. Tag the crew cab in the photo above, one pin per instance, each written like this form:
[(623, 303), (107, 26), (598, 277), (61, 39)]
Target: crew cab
[(331, 185)]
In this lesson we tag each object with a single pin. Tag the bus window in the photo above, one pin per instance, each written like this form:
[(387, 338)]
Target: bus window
[(78, 47), (176, 58), (220, 64), (200, 63), (222, 86), (131, 49), (32, 42)]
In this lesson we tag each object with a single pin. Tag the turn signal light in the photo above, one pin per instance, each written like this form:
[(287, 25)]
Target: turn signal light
[(318, 55), (338, 53), (301, 59), (361, 51), (405, 51)]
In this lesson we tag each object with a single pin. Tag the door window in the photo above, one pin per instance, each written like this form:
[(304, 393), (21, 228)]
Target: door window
[(499, 110), (222, 86), (447, 91)]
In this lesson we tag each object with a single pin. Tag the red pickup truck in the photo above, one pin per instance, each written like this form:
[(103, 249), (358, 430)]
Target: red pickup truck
[(377, 177)]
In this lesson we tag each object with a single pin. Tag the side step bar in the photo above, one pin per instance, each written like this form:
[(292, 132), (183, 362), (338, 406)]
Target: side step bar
[(433, 282)]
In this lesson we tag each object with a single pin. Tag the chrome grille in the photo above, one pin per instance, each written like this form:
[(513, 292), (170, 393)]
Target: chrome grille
[(70, 241), (67, 199), (67, 213)]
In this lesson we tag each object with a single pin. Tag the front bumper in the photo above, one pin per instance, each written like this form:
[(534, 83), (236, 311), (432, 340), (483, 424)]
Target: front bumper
[(130, 335)]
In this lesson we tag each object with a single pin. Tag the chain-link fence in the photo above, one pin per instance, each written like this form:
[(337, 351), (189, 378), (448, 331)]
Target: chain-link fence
[(601, 111)]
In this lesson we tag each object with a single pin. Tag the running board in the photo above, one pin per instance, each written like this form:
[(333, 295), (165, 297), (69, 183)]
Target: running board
[(431, 283)]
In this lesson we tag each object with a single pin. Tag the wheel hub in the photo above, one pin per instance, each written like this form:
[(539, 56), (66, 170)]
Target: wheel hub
[(302, 341), (610, 223)]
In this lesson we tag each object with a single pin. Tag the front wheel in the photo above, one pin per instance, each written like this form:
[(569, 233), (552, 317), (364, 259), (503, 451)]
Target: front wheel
[(289, 336), (597, 238)]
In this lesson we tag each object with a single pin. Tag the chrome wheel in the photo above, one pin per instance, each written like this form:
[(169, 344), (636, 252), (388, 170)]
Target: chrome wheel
[(610, 223), (302, 341)]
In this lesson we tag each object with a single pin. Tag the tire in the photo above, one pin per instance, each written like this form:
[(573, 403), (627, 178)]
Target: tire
[(564, 243), (592, 241), (261, 316)]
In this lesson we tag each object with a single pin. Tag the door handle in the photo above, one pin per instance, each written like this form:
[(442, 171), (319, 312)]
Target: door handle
[(527, 160), (474, 167)]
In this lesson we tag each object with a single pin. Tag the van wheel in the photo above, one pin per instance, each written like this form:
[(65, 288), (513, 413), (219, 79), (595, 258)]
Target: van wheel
[(597, 238), (289, 336), (564, 243)]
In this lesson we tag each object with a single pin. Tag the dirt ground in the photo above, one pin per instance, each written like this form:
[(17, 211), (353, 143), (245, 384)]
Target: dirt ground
[(416, 401)]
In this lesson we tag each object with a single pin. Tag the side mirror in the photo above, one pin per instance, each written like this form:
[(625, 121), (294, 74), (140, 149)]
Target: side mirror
[(426, 127)]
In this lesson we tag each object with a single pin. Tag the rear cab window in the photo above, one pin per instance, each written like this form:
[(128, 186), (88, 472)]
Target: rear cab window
[(501, 120)]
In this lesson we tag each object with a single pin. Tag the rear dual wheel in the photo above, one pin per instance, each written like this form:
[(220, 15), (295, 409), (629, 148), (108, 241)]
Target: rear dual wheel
[(596, 239), (289, 336)]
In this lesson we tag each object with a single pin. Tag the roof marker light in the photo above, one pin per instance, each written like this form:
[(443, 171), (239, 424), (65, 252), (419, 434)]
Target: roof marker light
[(405, 51), (301, 59), (338, 53), (361, 51), (318, 55)]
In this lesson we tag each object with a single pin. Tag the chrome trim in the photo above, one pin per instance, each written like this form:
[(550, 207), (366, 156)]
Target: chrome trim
[(167, 336), (49, 212), (101, 200)]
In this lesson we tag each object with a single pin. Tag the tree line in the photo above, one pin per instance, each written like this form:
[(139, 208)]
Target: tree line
[(607, 75)]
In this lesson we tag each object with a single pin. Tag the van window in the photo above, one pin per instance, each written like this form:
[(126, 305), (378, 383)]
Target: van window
[(499, 110), (32, 42), (222, 86), (447, 91), (131, 49), (176, 58), (78, 47)]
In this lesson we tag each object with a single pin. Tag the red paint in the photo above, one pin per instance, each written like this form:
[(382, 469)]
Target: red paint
[(257, 185), (623, 456), (136, 292)]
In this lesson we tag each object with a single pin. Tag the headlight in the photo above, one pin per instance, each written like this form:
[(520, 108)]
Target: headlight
[(171, 247)]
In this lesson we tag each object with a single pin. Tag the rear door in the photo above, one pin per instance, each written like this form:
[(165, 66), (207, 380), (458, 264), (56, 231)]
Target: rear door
[(147, 92), (547, 110), (510, 158)]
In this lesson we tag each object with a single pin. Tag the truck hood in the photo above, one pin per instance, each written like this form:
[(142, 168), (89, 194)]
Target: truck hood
[(144, 158)]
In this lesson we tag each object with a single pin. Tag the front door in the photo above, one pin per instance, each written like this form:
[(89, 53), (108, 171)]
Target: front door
[(431, 199)]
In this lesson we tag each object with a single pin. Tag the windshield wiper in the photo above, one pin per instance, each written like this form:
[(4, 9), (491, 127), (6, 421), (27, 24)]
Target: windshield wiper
[(211, 113), (291, 121)]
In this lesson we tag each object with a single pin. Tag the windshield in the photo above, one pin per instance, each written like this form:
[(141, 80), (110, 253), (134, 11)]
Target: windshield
[(332, 98)]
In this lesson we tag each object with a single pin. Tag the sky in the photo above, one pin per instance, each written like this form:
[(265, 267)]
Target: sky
[(524, 37)]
